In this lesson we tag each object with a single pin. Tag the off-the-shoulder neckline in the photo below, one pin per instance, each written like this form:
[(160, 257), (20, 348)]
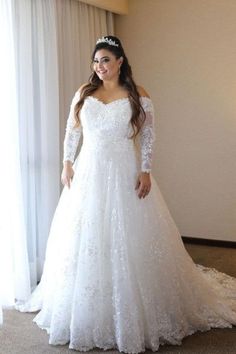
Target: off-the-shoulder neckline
[(118, 99)]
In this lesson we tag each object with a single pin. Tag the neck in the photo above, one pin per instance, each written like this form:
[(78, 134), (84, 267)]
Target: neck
[(110, 85)]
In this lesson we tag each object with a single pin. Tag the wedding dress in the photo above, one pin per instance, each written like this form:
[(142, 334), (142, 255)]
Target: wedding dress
[(116, 273)]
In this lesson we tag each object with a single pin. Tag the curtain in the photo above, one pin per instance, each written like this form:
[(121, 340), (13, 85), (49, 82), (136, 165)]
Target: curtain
[(14, 267), (38, 102), (46, 47)]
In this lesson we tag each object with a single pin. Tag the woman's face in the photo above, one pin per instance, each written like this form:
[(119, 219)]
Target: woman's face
[(106, 65)]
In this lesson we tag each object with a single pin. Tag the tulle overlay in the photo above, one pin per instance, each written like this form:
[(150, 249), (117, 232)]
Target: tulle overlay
[(116, 273)]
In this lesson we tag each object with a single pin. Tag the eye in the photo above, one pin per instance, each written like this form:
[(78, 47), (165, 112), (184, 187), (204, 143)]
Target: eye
[(105, 60)]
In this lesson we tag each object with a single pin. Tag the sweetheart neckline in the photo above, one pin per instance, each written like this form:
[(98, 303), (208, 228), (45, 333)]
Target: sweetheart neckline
[(118, 99)]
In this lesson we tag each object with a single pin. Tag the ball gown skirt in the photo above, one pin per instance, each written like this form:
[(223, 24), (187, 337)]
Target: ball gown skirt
[(116, 273)]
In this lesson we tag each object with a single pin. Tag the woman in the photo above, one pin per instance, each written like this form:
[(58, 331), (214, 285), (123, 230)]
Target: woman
[(116, 273)]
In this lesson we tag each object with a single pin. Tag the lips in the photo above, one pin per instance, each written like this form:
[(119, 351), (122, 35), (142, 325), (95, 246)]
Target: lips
[(102, 72)]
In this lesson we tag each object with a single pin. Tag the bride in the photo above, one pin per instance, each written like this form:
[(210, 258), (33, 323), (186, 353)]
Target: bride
[(116, 273)]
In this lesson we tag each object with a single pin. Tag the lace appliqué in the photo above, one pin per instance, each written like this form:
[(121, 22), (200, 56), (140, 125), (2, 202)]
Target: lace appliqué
[(147, 135), (72, 135)]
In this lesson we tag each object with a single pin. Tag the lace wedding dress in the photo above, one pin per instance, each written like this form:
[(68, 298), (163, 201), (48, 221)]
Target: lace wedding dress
[(116, 273)]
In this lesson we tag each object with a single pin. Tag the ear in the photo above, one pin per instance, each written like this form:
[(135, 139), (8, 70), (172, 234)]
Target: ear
[(121, 59)]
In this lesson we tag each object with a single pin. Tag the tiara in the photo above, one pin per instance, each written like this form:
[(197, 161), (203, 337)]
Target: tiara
[(106, 40)]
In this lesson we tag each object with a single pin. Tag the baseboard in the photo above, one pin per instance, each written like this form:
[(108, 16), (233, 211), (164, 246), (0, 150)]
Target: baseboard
[(208, 242)]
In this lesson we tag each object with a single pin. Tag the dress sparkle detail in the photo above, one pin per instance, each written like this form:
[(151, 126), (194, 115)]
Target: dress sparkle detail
[(116, 273)]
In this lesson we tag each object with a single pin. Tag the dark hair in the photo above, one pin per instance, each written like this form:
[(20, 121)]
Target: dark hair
[(125, 80)]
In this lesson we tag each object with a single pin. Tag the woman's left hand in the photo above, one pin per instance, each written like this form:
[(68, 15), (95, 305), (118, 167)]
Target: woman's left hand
[(143, 184)]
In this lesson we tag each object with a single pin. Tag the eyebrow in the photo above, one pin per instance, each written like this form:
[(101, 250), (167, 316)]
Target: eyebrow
[(102, 57)]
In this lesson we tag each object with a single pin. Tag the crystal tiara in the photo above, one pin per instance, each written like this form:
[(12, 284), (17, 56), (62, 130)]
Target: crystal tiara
[(106, 40)]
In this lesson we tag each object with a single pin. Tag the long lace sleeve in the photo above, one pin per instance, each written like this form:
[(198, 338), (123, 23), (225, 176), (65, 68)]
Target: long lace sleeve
[(147, 135), (72, 135)]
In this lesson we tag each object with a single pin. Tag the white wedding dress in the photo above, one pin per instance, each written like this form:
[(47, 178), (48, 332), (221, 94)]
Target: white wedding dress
[(116, 273)]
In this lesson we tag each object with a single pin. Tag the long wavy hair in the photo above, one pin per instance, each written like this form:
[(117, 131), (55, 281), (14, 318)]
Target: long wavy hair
[(125, 80)]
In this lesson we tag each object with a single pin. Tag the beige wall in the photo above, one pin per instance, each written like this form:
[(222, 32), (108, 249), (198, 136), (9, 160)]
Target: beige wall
[(118, 7), (184, 53)]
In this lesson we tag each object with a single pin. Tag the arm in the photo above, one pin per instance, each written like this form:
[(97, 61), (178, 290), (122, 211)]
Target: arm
[(71, 141), (72, 135), (147, 135)]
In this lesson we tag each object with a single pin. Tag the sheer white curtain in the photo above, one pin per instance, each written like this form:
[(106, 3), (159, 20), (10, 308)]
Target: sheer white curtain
[(46, 48), (38, 107), (14, 267)]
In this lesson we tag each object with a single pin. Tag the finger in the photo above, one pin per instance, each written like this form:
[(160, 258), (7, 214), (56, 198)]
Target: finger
[(137, 184), (143, 193), (140, 190), (68, 183), (143, 189), (147, 192)]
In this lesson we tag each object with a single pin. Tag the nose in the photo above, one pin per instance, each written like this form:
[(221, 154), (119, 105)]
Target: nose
[(100, 65)]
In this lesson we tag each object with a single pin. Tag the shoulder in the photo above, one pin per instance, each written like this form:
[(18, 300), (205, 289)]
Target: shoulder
[(146, 103), (81, 87), (78, 92), (142, 92)]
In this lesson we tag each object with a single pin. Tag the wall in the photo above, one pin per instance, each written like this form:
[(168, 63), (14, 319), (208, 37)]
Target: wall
[(118, 7), (184, 53)]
